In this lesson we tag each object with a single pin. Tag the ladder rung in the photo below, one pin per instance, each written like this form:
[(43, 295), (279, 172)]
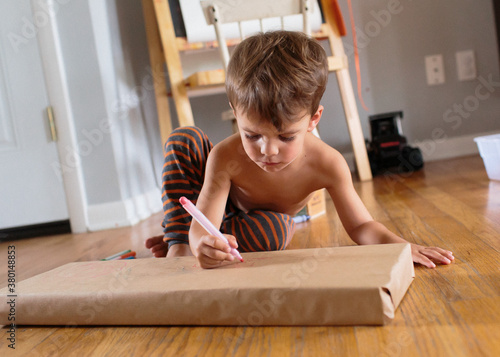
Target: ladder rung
[(206, 78), (336, 63)]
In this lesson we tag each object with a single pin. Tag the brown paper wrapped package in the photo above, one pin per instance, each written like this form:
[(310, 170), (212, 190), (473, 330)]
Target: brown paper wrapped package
[(358, 285)]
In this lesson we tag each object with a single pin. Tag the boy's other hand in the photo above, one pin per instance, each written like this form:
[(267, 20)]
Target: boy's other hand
[(211, 251), (157, 246), (429, 256)]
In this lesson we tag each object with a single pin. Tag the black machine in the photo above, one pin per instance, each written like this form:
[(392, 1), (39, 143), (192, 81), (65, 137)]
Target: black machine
[(388, 149)]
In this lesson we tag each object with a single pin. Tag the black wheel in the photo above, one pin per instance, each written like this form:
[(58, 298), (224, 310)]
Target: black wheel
[(411, 159)]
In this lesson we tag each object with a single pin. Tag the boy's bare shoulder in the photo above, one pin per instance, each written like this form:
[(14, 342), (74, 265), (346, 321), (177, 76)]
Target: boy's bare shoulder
[(229, 149), (326, 161), (323, 153), (228, 146)]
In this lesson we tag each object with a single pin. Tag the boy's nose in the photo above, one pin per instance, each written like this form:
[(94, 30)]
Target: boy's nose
[(269, 149)]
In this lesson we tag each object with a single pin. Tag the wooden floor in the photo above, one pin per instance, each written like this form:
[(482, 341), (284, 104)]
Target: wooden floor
[(448, 311)]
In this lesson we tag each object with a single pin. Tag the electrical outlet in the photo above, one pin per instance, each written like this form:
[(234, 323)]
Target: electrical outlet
[(434, 68), (466, 65)]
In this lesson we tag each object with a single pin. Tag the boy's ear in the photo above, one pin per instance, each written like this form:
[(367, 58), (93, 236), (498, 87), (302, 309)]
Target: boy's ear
[(313, 122), (234, 112)]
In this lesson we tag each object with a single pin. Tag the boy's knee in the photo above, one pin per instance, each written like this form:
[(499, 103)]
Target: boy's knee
[(183, 134), (189, 130)]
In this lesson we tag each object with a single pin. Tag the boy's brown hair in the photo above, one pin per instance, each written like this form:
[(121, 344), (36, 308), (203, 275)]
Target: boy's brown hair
[(277, 75)]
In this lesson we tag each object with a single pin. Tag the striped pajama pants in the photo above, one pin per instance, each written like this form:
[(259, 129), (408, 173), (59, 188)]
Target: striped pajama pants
[(186, 152)]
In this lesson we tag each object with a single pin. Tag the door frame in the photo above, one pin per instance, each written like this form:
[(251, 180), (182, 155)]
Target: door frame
[(58, 93)]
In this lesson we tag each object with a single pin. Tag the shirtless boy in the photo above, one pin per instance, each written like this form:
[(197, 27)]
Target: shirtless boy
[(253, 182)]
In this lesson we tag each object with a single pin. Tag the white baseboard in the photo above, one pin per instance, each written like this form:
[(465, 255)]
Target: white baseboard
[(448, 148), (432, 150), (124, 213)]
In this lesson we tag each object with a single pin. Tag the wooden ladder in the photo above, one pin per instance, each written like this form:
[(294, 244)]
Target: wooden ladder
[(163, 48)]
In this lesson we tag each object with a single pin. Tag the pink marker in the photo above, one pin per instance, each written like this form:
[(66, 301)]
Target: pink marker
[(205, 223)]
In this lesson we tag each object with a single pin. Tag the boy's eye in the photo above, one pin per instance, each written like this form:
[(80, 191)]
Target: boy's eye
[(287, 138), (252, 137)]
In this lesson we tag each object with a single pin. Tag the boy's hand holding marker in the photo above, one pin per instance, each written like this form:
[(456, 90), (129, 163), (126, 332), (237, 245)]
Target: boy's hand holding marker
[(212, 249)]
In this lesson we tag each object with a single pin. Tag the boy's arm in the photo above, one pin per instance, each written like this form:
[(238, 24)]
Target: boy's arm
[(360, 225), (209, 250)]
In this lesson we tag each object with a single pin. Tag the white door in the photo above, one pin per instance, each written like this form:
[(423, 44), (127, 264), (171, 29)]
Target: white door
[(31, 189)]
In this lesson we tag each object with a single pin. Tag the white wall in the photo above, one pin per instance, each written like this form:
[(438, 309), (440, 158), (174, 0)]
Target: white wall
[(103, 46)]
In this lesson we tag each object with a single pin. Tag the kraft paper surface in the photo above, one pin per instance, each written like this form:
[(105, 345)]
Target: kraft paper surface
[(355, 285)]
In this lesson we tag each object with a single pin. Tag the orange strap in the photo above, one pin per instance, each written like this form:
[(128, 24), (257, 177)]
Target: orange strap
[(356, 57), (339, 20), (332, 12)]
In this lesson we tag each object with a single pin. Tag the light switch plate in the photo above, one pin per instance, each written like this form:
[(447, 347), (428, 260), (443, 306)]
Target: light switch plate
[(466, 65), (434, 68)]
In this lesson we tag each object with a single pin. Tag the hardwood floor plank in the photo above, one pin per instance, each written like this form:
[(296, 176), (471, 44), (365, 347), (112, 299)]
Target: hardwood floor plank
[(481, 320), (27, 338), (445, 340), (385, 341), (472, 219), (330, 341), (60, 340)]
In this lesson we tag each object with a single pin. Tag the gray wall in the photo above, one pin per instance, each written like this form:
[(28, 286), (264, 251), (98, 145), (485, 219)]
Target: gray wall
[(396, 72), (393, 39)]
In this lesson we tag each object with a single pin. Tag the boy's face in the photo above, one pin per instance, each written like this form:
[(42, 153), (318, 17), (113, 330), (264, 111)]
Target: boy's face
[(270, 149)]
